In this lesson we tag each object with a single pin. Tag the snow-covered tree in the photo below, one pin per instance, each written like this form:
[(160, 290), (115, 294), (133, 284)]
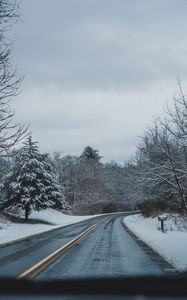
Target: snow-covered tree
[(32, 184), (160, 168), (93, 187), (4, 167), (119, 180), (67, 170)]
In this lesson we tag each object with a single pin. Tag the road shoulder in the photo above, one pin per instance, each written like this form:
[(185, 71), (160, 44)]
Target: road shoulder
[(164, 264)]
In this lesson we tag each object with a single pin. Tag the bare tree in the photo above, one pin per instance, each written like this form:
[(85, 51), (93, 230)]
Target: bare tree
[(10, 132), (161, 174)]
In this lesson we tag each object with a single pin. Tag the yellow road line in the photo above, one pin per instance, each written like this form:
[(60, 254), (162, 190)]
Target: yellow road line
[(44, 263)]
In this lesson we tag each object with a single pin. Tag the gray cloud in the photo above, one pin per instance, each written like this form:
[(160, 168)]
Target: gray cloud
[(94, 68), (101, 43)]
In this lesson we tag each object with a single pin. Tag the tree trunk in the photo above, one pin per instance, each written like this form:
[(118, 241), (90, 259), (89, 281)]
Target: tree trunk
[(27, 213)]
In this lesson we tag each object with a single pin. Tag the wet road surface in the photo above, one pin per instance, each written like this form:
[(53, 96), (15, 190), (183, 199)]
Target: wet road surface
[(109, 250)]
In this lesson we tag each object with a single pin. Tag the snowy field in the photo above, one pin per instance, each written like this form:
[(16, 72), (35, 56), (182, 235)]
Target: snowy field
[(172, 245), (12, 231), (57, 218)]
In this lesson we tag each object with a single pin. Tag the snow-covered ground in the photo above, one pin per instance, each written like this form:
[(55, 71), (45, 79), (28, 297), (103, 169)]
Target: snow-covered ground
[(57, 218), (12, 231), (172, 245)]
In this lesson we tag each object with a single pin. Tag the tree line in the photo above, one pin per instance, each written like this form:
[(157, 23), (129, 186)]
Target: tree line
[(81, 184)]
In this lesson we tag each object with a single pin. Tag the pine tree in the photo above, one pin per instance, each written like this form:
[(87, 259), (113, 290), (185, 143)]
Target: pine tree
[(90, 153), (31, 184)]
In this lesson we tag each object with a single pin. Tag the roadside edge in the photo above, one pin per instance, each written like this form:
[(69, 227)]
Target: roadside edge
[(164, 264)]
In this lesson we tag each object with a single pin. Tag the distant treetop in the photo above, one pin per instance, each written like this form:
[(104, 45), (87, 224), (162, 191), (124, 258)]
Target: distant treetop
[(90, 153)]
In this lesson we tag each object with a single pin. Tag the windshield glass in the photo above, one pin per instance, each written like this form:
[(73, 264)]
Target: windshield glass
[(93, 149)]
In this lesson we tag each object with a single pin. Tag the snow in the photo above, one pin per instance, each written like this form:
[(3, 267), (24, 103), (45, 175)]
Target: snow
[(57, 218), (12, 231), (171, 245)]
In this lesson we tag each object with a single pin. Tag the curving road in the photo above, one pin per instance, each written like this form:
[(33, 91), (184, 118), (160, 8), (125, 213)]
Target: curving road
[(109, 250)]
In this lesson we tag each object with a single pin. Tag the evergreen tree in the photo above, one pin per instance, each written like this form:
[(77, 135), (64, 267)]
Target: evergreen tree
[(31, 184), (90, 153)]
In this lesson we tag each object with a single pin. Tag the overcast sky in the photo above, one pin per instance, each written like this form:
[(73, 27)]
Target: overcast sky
[(97, 71)]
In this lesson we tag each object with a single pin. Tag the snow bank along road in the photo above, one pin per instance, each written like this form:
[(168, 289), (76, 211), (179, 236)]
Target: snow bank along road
[(95, 247)]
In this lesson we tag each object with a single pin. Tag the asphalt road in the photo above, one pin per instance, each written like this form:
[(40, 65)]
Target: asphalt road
[(109, 250)]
